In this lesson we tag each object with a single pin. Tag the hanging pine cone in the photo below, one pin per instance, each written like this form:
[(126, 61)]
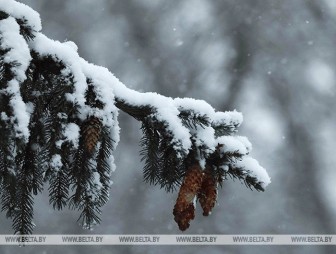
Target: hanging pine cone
[(91, 133), (207, 194), (184, 209)]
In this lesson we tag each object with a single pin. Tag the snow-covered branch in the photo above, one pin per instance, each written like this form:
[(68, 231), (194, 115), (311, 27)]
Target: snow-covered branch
[(46, 84)]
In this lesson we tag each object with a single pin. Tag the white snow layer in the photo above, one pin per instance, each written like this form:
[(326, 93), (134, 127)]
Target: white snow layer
[(71, 134), (23, 12), (231, 144), (65, 53), (11, 39), (19, 55), (107, 87), (253, 169), (56, 162), (228, 118)]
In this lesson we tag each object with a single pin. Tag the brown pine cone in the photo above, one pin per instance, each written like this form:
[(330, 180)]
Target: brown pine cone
[(207, 194), (184, 209), (91, 133)]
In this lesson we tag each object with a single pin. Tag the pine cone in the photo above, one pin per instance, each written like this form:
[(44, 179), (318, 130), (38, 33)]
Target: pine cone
[(207, 194), (91, 133), (184, 209)]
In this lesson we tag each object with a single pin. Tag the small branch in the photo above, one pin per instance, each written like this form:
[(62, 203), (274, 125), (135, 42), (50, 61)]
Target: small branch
[(138, 113)]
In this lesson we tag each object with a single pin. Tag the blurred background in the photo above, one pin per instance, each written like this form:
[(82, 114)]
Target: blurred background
[(272, 60)]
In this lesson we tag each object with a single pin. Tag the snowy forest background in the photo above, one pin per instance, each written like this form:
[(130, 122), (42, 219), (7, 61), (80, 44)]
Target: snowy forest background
[(272, 60)]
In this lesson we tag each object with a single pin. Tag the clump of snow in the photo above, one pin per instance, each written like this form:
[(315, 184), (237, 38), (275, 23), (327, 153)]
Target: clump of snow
[(21, 117), (110, 161), (4, 116), (23, 12), (72, 45), (19, 53), (245, 142), (165, 109), (228, 118), (62, 52), (30, 107), (225, 168), (230, 144), (104, 91), (253, 169), (62, 115), (181, 134), (70, 134), (198, 106), (56, 162), (19, 56), (205, 137)]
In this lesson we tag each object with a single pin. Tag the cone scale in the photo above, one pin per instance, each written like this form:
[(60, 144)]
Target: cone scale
[(91, 133)]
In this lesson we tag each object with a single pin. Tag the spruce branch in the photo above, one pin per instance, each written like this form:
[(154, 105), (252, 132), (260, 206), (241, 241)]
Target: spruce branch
[(59, 124)]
